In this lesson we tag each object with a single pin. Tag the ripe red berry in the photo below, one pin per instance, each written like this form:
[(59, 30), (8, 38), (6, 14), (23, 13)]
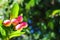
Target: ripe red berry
[(7, 23), (14, 22), (20, 18), (19, 27), (24, 24)]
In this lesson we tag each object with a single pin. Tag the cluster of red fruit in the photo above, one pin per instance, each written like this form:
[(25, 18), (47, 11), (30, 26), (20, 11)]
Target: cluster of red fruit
[(17, 23)]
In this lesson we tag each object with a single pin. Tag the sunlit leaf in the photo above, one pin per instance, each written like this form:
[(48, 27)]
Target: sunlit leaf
[(14, 11), (55, 12), (3, 3), (1, 22), (2, 31), (16, 33)]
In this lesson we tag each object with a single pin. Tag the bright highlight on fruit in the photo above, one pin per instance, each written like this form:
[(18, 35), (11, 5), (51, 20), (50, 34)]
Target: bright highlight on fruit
[(21, 26), (7, 23)]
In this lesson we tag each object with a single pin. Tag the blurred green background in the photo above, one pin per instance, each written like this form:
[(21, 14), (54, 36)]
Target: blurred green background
[(43, 17)]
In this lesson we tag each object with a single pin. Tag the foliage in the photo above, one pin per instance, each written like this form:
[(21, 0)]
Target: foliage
[(43, 17)]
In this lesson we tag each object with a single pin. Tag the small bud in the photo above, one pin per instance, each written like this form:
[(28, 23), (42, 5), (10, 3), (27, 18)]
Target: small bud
[(19, 27), (14, 22), (7, 23), (20, 18), (24, 24)]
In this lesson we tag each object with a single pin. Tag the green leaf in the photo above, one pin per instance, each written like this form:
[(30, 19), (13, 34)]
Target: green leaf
[(2, 31), (37, 1), (48, 13), (0, 22), (43, 26), (3, 3), (25, 18), (51, 25), (53, 34), (14, 11), (45, 38), (55, 12), (30, 4), (36, 36), (16, 33), (0, 0)]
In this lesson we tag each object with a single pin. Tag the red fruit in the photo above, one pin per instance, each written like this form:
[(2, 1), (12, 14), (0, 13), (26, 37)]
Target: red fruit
[(7, 23), (20, 18), (24, 24), (19, 27), (14, 22)]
